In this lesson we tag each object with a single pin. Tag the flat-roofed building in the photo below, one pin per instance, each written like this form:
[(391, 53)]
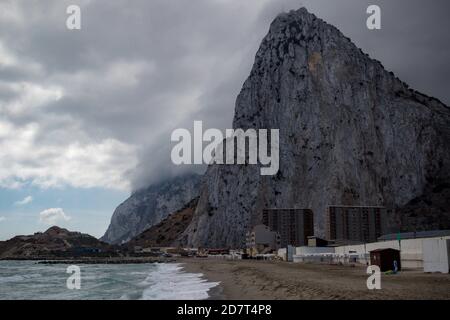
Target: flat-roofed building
[(294, 226), (314, 241), (355, 224)]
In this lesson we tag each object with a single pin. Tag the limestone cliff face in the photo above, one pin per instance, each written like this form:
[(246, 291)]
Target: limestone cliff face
[(148, 207), (351, 133)]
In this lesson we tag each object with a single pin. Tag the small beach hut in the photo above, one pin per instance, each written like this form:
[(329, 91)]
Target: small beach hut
[(384, 258)]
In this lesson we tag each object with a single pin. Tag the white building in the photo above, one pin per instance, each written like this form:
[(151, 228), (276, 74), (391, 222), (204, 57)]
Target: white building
[(430, 254), (436, 255)]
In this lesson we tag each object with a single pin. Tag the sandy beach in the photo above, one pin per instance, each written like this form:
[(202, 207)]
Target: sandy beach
[(270, 280)]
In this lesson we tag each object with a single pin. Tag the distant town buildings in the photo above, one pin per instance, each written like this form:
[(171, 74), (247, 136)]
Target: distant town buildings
[(261, 240), (294, 226), (355, 224)]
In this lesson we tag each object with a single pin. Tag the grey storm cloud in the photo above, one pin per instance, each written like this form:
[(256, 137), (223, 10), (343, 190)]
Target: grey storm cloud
[(139, 69)]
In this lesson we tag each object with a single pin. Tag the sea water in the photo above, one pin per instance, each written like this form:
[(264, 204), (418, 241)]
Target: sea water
[(28, 280)]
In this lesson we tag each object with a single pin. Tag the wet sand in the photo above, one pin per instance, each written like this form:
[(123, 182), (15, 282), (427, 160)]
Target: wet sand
[(273, 280)]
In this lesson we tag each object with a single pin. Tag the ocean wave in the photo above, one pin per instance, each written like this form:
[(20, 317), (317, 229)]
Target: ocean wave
[(169, 282), (102, 282), (7, 279), (19, 278)]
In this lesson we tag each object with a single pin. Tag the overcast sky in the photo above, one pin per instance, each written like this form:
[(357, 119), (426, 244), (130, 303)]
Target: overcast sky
[(86, 115)]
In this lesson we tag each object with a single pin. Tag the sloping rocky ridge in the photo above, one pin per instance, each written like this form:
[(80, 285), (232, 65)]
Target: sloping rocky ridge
[(147, 207), (351, 133), (167, 232), (53, 242)]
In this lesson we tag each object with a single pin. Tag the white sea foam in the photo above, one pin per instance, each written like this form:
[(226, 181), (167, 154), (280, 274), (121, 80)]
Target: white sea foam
[(169, 282)]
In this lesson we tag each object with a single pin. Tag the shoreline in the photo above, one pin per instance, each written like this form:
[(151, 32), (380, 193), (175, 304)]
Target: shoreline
[(92, 260), (275, 280), (278, 280)]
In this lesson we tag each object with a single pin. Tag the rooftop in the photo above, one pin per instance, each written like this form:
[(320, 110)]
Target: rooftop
[(415, 235), (343, 206)]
